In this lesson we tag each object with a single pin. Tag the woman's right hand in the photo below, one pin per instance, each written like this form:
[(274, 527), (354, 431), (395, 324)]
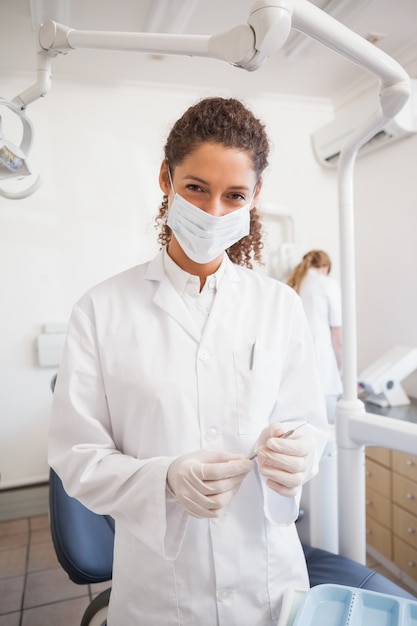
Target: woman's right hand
[(205, 481)]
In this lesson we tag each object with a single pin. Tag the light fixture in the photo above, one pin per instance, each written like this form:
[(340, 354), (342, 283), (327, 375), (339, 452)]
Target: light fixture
[(13, 158), (168, 16)]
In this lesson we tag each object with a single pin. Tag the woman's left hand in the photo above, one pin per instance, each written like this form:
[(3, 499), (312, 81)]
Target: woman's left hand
[(284, 461)]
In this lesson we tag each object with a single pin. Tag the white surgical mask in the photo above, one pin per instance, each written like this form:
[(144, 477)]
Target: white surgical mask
[(202, 236)]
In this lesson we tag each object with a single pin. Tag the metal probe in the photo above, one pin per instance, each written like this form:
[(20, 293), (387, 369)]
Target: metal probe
[(283, 436)]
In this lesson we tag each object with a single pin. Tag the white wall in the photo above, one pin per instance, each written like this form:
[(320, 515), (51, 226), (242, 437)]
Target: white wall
[(386, 244), (99, 148)]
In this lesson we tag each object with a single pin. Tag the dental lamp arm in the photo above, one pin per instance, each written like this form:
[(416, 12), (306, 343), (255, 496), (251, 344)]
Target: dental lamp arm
[(318, 25), (235, 46), (249, 45), (43, 83), (246, 46)]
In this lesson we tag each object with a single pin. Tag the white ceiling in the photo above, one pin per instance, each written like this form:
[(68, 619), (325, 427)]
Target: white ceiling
[(315, 71)]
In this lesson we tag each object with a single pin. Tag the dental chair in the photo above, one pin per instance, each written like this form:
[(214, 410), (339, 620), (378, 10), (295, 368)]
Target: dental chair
[(83, 543)]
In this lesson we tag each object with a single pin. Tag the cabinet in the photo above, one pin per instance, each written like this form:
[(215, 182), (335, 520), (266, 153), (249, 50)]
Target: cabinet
[(391, 510)]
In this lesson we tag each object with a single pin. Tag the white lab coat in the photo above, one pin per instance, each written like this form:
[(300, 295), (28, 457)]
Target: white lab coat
[(137, 387)]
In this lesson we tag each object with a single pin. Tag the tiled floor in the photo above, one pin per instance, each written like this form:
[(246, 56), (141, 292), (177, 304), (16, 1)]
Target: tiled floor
[(34, 589)]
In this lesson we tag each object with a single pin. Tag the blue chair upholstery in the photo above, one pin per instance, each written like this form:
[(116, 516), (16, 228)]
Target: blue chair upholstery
[(82, 539), (325, 567)]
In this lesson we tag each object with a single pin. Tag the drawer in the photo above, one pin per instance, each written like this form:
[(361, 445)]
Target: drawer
[(405, 464), (405, 526), (405, 557), (378, 478), (404, 493), (380, 455), (378, 507), (379, 537)]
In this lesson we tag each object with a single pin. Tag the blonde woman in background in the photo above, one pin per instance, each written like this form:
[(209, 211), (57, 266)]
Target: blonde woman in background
[(321, 298)]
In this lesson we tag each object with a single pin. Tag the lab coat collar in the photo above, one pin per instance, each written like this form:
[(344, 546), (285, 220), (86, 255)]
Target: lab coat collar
[(167, 298), (182, 280), (156, 270)]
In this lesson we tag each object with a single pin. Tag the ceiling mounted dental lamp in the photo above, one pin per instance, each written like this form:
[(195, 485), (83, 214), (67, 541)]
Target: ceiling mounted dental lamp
[(14, 165), (13, 161), (13, 158)]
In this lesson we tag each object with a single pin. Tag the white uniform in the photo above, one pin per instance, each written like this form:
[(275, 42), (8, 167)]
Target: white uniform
[(139, 384), (321, 299), (323, 306)]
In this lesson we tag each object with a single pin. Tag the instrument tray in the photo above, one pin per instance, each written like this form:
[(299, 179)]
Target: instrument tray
[(337, 605)]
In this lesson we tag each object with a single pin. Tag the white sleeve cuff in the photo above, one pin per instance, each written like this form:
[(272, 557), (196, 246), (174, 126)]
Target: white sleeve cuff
[(279, 510)]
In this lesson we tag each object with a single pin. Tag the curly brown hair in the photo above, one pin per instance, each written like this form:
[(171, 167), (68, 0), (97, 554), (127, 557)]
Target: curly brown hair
[(228, 122)]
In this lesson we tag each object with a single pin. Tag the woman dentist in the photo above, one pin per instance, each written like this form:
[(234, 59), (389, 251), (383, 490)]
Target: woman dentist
[(174, 374)]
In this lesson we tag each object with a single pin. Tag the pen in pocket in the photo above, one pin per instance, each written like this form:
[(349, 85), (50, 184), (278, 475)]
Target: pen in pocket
[(252, 354)]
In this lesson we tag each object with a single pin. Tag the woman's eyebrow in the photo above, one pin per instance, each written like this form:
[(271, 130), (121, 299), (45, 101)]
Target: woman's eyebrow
[(204, 182), (196, 178), (240, 188)]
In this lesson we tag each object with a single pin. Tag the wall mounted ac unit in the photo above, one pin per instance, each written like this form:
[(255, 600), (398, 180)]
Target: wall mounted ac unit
[(329, 140)]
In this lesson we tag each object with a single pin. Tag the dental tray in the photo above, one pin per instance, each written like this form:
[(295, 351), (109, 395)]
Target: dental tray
[(336, 605)]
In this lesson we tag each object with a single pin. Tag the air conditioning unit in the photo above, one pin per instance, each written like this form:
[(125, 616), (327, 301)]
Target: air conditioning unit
[(329, 140)]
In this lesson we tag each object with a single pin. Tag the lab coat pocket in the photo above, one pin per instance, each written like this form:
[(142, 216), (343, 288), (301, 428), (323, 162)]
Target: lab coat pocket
[(257, 383)]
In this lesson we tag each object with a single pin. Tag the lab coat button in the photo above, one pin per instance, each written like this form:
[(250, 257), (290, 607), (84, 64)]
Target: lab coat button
[(211, 434), (223, 595), (204, 354)]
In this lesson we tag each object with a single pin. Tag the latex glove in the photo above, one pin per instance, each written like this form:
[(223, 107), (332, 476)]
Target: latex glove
[(284, 462), (204, 482)]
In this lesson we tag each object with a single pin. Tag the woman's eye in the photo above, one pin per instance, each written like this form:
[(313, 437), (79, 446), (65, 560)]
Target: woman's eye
[(194, 188), (237, 196)]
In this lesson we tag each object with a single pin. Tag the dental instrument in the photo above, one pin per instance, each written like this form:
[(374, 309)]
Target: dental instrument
[(288, 433)]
